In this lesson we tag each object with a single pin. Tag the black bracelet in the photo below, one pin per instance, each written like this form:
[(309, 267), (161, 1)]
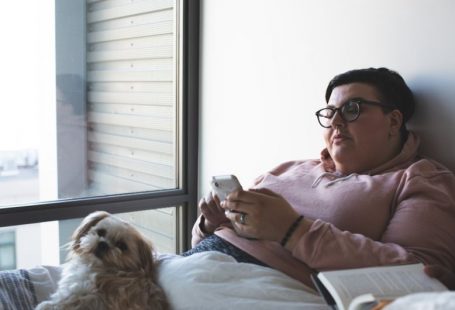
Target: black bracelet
[(291, 230)]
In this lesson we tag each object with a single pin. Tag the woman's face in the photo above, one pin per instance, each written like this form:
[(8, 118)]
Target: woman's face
[(367, 142)]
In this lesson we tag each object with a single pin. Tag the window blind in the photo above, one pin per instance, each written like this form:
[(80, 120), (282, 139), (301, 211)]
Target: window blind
[(131, 74)]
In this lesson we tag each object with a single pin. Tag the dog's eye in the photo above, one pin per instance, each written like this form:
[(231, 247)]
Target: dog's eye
[(101, 232), (121, 245)]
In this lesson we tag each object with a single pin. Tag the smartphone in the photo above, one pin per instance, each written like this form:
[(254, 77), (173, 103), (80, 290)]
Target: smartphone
[(223, 185)]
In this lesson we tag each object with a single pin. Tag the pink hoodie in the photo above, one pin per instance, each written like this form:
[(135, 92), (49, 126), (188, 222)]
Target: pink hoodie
[(400, 212)]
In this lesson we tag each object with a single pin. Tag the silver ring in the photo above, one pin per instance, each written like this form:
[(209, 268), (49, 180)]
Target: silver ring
[(242, 218)]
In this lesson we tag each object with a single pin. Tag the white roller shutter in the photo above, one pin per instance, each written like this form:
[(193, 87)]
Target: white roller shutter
[(131, 95), (131, 105)]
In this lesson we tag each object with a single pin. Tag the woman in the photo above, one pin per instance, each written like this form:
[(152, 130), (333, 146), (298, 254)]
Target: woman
[(369, 200)]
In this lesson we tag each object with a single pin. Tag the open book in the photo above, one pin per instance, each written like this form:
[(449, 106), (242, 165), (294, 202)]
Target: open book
[(363, 288)]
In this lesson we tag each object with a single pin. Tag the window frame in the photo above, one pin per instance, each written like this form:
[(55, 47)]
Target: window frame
[(186, 196)]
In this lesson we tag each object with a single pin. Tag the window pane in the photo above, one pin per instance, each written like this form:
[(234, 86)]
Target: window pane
[(19, 135), (94, 112), (131, 96), (159, 226), (44, 243), (91, 111), (7, 249)]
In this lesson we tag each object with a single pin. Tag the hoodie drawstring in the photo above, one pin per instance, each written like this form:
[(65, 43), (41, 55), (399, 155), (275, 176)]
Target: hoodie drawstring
[(330, 183)]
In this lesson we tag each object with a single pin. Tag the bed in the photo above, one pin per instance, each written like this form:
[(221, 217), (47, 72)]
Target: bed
[(208, 280)]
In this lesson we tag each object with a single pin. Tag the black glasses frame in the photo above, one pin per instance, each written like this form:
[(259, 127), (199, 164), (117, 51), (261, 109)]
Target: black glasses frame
[(358, 102)]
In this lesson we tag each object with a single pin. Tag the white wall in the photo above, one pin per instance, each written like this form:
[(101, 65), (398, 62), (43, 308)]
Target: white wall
[(266, 64)]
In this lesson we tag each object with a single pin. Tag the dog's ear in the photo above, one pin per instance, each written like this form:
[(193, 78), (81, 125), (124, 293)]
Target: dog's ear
[(145, 250), (88, 222)]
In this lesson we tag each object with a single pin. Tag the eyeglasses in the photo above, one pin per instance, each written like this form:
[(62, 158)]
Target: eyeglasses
[(349, 111)]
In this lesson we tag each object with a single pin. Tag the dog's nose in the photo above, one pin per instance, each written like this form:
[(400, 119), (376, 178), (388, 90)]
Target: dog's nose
[(101, 249)]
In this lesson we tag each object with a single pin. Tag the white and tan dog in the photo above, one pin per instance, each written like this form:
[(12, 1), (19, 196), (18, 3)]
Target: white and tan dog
[(110, 266)]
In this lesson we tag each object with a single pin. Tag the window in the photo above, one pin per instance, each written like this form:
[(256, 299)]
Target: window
[(7, 250), (107, 118)]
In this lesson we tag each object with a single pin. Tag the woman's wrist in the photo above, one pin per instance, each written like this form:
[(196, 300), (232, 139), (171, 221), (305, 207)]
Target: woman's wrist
[(301, 229), (203, 226), (292, 228)]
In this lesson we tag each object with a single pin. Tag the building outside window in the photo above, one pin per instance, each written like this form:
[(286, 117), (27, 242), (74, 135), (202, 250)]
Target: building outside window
[(100, 114)]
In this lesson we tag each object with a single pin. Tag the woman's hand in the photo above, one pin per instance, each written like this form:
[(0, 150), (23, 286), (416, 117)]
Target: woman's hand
[(213, 214), (444, 275), (267, 214)]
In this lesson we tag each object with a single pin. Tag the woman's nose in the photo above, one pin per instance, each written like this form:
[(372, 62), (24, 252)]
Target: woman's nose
[(337, 120)]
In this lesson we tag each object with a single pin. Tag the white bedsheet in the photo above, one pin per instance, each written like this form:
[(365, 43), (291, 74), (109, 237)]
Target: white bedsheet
[(425, 301), (213, 280)]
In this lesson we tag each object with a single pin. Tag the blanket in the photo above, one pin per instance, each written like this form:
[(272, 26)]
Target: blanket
[(209, 280), (213, 280)]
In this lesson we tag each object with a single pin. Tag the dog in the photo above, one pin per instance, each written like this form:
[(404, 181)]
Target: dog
[(110, 266)]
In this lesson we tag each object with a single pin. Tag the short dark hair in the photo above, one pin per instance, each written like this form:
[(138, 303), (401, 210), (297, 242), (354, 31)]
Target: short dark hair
[(389, 83)]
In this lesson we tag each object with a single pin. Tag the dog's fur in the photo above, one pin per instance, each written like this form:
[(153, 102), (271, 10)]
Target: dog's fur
[(110, 266)]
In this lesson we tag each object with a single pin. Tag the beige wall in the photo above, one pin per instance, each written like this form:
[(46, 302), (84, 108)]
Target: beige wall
[(266, 63)]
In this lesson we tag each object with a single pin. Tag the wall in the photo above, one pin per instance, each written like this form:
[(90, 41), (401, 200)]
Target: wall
[(266, 63)]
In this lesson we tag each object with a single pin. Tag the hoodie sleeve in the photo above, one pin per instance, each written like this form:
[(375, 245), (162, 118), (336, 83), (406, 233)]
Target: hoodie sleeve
[(422, 229), (197, 233)]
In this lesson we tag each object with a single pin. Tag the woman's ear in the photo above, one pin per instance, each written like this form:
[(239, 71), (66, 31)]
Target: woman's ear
[(396, 120)]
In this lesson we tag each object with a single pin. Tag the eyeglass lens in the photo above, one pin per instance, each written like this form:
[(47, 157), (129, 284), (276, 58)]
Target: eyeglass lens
[(349, 112)]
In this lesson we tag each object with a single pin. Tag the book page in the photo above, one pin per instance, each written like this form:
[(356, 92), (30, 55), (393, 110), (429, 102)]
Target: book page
[(382, 282), (366, 301)]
